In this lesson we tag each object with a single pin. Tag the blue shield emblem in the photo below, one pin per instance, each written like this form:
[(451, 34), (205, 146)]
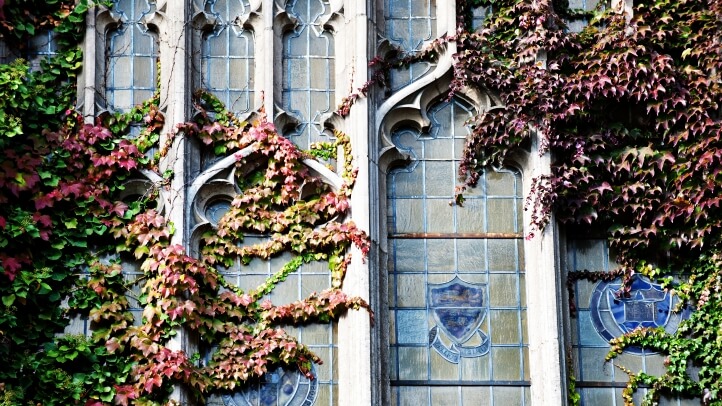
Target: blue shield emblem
[(459, 309), (647, 306)]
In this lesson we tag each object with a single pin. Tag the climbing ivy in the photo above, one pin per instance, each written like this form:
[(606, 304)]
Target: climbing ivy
[(68, 230), (629, 111)]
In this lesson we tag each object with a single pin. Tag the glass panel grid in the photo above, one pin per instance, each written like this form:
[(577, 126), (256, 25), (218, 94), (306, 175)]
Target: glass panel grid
[(308, 71), (227, 56), (132, 57), (457, 311), (420, 195), (410, 23), (503, 317), (311, 277)]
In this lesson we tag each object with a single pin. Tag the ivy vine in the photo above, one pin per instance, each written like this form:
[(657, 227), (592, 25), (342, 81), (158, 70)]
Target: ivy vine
[(67, 234), (629, 110)]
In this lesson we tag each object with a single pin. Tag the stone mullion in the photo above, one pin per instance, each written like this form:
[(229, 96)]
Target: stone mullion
[(543, 292), (543, 287), (268, 57), (175, 60), (357, 356), (86, 82)]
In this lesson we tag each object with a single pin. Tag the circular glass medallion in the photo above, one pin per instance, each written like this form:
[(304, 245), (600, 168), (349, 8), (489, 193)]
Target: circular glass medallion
[(648, 305), (280, 387), (216, 209)]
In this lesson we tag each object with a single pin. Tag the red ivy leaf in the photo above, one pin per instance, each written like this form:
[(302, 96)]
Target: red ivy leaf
[(11, 266), (124, 393)]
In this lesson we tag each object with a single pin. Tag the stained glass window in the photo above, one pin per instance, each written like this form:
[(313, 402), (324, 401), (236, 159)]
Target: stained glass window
[(132, 56), (602, 315), (308, 71), (410, 23), (282, 386), (287, 386), (227, 56), (456, 295)]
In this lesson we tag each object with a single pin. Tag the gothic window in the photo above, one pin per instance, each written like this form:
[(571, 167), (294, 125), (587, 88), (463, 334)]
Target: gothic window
[(456, 275), (230, 41), (282, 386), (308, 70), (132, 56), (601, 314), (409, 25), (227, 55)]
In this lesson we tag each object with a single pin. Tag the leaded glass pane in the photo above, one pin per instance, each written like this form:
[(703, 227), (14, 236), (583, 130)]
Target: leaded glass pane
[(508, 396), (132, 56), (456, 291), (476, 396), (227, 56), (410, 23), (308, 71), (479, 15)]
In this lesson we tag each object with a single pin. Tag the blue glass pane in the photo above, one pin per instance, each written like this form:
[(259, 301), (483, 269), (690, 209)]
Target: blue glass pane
[(132, 57), (412, 326), (227, 56), (409, 23), (308, 71), (590, 339), (649, 305)]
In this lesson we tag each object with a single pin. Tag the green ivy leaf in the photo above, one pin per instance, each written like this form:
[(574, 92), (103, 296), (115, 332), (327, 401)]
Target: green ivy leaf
[(8, 300)]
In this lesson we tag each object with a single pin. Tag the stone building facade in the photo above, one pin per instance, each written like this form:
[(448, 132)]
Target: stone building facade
[(468, 311)]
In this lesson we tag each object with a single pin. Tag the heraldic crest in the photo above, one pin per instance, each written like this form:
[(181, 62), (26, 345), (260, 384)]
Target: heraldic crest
[(648, 305), (459, 309)]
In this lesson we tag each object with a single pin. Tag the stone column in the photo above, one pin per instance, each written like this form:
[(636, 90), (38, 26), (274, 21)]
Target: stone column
[(174, 99), (354, 330)]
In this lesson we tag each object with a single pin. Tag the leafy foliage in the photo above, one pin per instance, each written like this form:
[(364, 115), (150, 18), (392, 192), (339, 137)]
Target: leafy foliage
[(69, 233), (629, 109)]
